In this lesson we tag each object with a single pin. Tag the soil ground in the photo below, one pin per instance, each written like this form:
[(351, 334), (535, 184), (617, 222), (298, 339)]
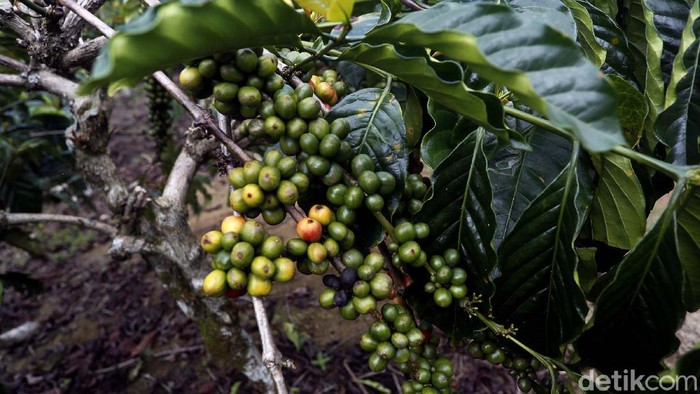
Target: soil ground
[(109, 327)]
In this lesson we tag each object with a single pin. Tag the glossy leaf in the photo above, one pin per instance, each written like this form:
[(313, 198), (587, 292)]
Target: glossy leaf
[(689, 248), (376, 129), (678, 127), (618, 58), (552, 12), (537, 290), (441, 81), (519, 177), (646, 46), (632, 107), (365, 23), (333, 10), (459, 211), (670, 17), (642, 304), (586, 34), (609, 7), (449, 130), (194, 29), (545, 69), (413, 118), (617, 215)]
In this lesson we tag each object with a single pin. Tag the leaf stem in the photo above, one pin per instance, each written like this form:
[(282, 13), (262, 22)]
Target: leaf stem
[(676, 173), (334, 42)]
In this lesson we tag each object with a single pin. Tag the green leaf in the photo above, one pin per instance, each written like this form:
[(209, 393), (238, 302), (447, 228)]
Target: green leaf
[(449, 130), (376, 129), (609, 7), (441, 81), (459, 211), (586, 35), (413, 119), (642, 304), (646, 46), (632, 107), (176, 32), (678, 126), (689, 248), (670, 17), (333, 10), (363, 24), (618, 58), (587, 270), (519, 177), (537, 290), (545, 69), (552, 12), (618, 216)]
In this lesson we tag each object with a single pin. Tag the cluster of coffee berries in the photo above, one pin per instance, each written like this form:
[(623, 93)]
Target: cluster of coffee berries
[(415, 189), (370, 189), (265, 187), (236, 80), (321, 148), (485, 346), (246, 259), (283, 118), (332, 89), (327, 86), (159, 114), (360, 285), (320, 238), (413, 348)]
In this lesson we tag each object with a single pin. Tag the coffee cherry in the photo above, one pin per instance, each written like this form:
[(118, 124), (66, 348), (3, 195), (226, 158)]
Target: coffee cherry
[(309, 230), (332, 247), (274, 216), (242, 255), (308, 108), (525, 384), (338, 231), (364, 305), (267, 65), (442, 297), (287, 192), (222, 260), (360, 163), (309, 143), (331, 281), (258, 287), (348, 278), (211, 241), (191, 79), (322, 214), (214, 284), (274, 127), (297, 247), (296, 127), (409, 252), (316, 252), (327, 299), (230, 73), (377, 363), (341, 298), (249, 96), (284, 270), (496, 357), (208, 68), (354, 197), (368, 343), (340, 127), (374, 202), (286, 108), (404, 232), (348, 312), (352, 259)]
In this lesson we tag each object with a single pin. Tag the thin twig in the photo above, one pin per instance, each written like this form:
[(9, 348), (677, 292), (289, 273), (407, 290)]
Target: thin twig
[(89, 17), (200, 117), (34, 7), (271, 355), (13, 63), (12, 80), (412, 5), (84, 53), (15, 219), (134, 360)]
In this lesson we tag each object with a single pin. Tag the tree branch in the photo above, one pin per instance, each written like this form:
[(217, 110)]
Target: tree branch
[(73, 23), (186, 164), (12, 80), (15, 219), (87, 16), (84, 53), (13, 22), (271, 355), (14, 64)]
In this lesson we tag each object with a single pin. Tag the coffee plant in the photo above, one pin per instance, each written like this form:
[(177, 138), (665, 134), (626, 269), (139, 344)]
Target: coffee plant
[(517, 180)]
